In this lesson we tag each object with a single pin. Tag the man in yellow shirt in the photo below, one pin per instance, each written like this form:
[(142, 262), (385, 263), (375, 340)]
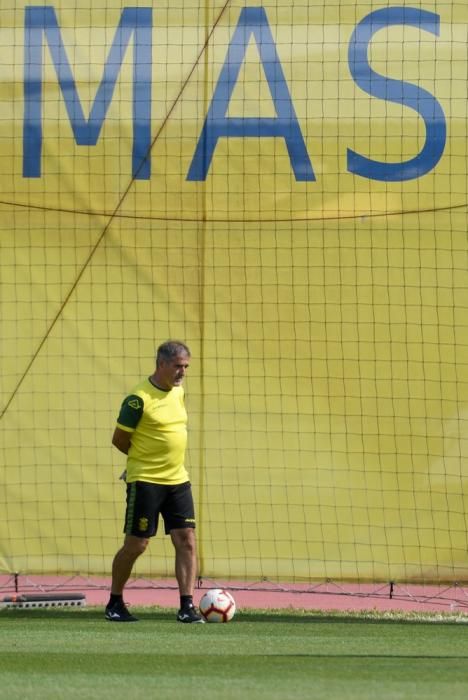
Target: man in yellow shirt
[(152, 431)]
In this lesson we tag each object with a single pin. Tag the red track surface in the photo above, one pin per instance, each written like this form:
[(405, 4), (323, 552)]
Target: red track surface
[(264, 595)]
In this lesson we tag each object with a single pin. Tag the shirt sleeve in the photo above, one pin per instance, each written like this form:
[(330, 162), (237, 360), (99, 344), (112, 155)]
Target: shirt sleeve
[(130, 412)]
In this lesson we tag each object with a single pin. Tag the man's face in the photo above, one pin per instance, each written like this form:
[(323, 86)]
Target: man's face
[(171, 373)]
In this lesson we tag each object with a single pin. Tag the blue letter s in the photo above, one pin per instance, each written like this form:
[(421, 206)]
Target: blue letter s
[(396, 91)]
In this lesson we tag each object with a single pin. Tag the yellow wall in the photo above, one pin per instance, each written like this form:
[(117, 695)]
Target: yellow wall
[(327, 318)]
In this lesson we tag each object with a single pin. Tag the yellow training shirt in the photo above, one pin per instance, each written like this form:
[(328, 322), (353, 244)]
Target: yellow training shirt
[(157, 420)]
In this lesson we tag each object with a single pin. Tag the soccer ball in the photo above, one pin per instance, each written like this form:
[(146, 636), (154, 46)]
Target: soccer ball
[(217, 605)]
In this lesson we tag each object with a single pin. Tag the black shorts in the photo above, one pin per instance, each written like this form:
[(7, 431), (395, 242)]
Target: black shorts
[(145, 502)]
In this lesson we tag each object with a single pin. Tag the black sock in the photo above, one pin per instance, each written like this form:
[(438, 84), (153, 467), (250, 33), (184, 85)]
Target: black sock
[(114, 598), (186, 601)]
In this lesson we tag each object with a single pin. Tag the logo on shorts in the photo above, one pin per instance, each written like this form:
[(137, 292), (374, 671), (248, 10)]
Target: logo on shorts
[(134, 403), (189, 520), (143, 524)]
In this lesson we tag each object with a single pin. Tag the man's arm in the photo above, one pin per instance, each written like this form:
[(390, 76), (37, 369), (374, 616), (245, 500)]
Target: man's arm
[(122, 440)]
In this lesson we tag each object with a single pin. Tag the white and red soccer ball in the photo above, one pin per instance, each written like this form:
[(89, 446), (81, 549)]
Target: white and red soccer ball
[(217, 605)]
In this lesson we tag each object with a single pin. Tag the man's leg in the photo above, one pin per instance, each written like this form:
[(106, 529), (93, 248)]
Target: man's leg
[(122, 566), (133, 547), (183, 540)]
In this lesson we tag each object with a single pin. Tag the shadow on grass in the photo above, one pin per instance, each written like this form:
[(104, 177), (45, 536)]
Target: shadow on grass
[(298, 617), (82, 613), (354, 619)]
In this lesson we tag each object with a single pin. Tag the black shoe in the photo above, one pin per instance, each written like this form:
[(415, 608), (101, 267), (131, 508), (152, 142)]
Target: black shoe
[(118, 613), (189, 614)]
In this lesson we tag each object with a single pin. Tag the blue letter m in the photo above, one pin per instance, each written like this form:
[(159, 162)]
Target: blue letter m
[(42, 20)]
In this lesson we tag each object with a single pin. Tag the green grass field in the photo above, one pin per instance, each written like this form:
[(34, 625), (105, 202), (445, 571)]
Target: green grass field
[(52, 654)]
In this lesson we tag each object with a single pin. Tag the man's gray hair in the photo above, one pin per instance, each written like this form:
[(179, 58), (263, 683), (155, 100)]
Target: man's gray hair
[(170, 349)]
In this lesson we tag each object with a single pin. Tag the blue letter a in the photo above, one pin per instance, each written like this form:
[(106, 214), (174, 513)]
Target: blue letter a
[(253, 20), (41, 20)]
